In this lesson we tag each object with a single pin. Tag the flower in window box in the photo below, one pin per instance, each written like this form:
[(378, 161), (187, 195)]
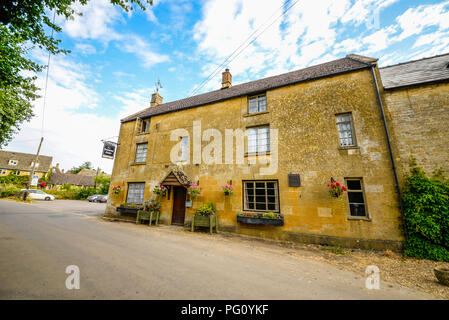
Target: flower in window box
[(336, 189), (228, 189), (194, 191)]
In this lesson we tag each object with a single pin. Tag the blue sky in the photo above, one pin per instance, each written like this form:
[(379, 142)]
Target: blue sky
[(116, 57)]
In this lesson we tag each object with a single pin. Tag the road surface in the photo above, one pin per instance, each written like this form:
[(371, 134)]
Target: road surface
[(126, 261)]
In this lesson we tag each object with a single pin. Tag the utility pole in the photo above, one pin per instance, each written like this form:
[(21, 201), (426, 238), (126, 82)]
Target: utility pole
[(34, 163), (95, 180)]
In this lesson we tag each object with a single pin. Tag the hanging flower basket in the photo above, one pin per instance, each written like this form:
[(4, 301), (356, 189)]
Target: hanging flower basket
[(336, 189), (116, 190), (194, 191), (228, 189), (160, 190)]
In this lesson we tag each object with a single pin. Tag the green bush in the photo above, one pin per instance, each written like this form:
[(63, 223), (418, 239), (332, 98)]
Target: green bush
[(62, 194), (426, 212), (206, 210), (84, 193), (9, 191), (13, 179)]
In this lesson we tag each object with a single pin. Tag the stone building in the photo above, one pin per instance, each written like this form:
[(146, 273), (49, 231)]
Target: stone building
[(302, 129), (417, 100), (22, 163)]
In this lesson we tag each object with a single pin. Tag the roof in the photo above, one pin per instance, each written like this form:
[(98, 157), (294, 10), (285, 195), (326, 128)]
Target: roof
[(59, 178), (88, 172), (347, 64), (426, 70), (24, 161)]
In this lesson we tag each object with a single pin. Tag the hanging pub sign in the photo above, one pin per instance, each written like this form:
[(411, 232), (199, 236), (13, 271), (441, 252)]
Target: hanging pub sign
[(108, 149)]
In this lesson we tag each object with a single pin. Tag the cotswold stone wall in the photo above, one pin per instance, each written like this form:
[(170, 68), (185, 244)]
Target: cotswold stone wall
[(304, 114), (419, 122)]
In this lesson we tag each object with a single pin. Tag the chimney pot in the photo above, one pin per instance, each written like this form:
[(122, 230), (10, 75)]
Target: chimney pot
[(226, 79), (156, 99)]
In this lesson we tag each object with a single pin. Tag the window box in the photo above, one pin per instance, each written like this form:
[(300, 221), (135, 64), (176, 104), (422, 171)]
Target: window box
[(261, 221), (205, 221), (127, 210)]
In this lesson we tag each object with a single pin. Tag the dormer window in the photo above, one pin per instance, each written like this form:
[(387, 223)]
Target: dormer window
[(13, 162), (257, 103), (145, 128), (32, 164)]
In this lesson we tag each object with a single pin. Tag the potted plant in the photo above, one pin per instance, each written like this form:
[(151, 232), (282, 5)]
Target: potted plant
[(442, 275), (116, 189), (194, 191), (267, 218), (228, 189), (160, 191), (128, 208), (205, 216), (150, 212), (336, 189)]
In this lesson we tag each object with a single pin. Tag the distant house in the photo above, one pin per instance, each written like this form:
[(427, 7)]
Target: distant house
[(22, 163), (85, 178), (58, 178)]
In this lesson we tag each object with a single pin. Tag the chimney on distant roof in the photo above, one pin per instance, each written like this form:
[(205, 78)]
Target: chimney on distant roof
[(156, 99), (226, 79)]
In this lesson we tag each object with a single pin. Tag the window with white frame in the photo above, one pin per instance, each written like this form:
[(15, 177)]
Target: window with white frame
[(13, 162), (135, 193), (345, 129), (258, 139), (184, 148), (356, 197), (257, 103), (2, 171), (261, 196), (32, 163), (141, 153), (145, 126)]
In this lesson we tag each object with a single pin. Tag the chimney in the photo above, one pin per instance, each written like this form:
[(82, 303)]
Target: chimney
[(226, 79), (156, 99)]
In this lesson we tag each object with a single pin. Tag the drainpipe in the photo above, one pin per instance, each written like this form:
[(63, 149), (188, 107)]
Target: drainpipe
[(398, 189)]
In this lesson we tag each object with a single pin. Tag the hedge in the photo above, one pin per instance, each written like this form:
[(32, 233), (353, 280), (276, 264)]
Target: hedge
[(426, 213)]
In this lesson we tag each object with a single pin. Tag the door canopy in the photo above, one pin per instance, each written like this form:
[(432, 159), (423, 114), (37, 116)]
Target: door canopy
[(177, 178)]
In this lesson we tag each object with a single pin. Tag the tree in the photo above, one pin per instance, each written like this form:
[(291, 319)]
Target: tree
[(24, 23), (85, 165), (102, 182)]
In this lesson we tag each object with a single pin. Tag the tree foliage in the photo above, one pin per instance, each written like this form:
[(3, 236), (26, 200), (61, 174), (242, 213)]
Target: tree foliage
[(426, 211), (85, 165), (24, 24), (102, 182)]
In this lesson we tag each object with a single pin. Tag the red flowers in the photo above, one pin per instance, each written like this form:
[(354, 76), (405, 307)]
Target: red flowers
[(336, 189)]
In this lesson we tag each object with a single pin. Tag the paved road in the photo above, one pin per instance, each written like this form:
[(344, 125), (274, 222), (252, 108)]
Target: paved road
[(127, 261)]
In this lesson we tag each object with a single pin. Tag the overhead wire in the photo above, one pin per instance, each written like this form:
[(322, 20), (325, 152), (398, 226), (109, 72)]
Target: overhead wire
[(229, 59)]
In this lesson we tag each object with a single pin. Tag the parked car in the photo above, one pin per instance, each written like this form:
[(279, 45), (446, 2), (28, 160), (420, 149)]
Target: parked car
[(38, 195), (102, 198), (93, 198)]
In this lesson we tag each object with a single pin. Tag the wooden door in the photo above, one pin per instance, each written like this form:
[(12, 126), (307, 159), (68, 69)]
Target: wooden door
[(179, 205)]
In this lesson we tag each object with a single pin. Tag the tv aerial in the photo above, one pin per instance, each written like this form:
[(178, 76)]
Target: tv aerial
[(158, 86)]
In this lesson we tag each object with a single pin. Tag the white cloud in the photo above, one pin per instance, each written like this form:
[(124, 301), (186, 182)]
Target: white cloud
[(72, 129), (415, 20), (137, 45), (85, 48), (96, 21)]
